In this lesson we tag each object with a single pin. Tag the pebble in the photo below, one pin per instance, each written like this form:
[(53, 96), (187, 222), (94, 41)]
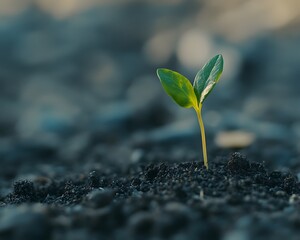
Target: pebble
[(98, 219), (234, 139), (298, 176), (280, 193), (24, 222), (141, 223), (236, 235), (99, 198), (294, 199), (137, 155)]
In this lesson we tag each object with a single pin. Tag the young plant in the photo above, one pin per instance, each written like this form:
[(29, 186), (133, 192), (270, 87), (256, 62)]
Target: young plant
[(185, 95)]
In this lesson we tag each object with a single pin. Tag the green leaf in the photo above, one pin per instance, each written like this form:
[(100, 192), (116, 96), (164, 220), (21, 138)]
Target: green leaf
[(208, 77), (178, 87)]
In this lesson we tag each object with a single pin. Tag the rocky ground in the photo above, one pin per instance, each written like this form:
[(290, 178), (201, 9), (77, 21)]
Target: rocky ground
[(91, 147)]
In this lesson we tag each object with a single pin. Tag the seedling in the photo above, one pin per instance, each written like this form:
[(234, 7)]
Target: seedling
[(185, 95)]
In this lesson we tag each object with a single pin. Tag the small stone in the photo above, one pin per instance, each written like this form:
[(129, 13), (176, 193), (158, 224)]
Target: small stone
[(137, 155), (298, 176), (99, 198), (294, 199), (280, 193), (175, 207), (234, 199), (236, 235), (24, 222), (247, 198), (141, 223), (234, 139), (98, 219), (180, 213)]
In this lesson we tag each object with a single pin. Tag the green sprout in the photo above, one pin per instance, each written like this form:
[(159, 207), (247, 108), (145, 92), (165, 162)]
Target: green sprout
[(185, 95)]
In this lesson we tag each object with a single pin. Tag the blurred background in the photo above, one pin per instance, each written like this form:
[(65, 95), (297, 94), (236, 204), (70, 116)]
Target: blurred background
[(78, 80)]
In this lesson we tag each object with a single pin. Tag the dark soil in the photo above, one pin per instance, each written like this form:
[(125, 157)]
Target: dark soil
[(234, 199)]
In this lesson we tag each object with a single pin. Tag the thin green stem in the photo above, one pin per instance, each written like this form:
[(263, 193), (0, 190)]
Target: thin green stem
[(202, 130)]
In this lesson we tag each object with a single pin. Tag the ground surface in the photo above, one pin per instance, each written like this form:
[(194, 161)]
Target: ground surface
[(234, 199), (92, 148)]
